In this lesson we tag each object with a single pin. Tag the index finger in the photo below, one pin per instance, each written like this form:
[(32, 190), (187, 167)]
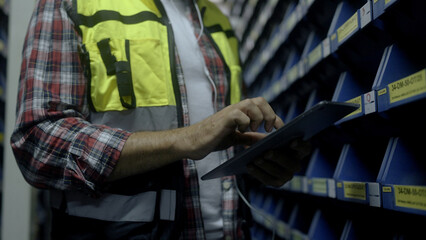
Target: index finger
[(269, 115), (278, 122)]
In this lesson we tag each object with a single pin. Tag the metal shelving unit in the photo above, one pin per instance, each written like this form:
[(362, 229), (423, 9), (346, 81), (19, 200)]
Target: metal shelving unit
[(371, 52)]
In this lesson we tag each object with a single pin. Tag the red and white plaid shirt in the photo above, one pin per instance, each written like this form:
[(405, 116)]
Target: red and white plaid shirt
[(55, 145)]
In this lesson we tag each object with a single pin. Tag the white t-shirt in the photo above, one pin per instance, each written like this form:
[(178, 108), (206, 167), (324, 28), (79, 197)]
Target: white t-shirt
[(199, 87)]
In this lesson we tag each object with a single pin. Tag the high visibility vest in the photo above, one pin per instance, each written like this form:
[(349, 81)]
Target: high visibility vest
[(130, 48), (129, 51)]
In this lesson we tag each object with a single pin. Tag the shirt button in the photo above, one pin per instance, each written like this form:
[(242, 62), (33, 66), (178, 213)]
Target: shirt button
[(226, 185)]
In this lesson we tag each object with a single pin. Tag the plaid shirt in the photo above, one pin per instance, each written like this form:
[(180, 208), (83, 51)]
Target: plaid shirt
[(54, 143)]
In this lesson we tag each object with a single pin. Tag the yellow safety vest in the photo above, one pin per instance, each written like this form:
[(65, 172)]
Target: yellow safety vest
[(130, 47)]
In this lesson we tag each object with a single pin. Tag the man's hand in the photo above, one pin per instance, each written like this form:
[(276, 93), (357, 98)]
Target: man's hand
[(276, 167), (229, 127)]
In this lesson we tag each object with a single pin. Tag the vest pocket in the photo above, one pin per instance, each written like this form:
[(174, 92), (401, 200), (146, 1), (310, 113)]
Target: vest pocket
[(129, 73), (151, 72)]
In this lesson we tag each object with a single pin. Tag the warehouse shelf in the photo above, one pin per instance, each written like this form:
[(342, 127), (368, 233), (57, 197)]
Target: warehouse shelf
[(351, 89), (316, 51), (324, 218), (370, 163), (317, 95), (259, 233), (399, 80), (320, 171), (365, 228), (2, 87), (5, 6), (257, 29), (293, 29), (313, 52), (283, 77), (326, 225), (357, 170), (248, 14), (303, 215), (3, 44), (379, 6), (4, 9), (269, 48), (285, 215), (275, 214), (402, 176), (256, 200), (1, 137), (268, 208), (299, 182), (345, 24), (316, 173), (295, 109)]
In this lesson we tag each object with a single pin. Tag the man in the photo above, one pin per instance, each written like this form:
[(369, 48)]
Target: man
[(123, 105)]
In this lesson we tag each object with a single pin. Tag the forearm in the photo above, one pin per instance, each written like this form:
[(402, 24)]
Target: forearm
[(147, 151)]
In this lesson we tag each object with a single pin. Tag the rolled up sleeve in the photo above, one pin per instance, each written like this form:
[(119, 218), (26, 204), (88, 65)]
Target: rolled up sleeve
[(54, 144)]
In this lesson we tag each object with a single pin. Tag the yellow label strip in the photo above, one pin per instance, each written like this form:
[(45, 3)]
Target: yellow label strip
[(410, 196), (296, 235), (347, 28), (291, 21), (410, 86), (386, 189), (315, 55), (292, 74), (355, 190), (282, 228), (382, 91), (319, 185), (2, 46)]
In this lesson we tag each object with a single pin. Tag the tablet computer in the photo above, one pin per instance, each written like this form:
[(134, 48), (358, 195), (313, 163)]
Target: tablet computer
[(306, 125)]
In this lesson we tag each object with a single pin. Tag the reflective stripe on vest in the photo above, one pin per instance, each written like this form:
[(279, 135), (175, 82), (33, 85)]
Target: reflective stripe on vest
[(148, 119), (119, 208)]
